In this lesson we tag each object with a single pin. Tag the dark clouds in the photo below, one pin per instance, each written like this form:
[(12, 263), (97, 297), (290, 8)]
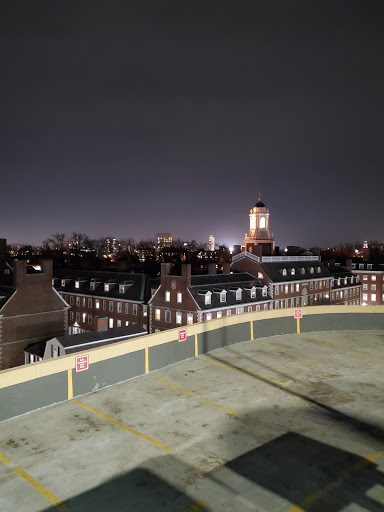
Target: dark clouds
[(136, 117)]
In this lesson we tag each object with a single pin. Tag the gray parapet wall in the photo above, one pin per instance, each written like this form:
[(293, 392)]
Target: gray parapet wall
[(30, 387)]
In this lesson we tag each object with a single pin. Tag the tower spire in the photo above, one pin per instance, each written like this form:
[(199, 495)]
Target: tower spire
[(259, 196)]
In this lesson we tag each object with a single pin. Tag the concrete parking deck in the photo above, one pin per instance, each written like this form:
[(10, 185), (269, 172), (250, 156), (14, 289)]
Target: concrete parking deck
[(280, 424)]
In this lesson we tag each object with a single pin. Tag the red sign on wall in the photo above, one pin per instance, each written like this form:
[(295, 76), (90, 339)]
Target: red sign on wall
[(82, 363), (298, 313), (182, 335)]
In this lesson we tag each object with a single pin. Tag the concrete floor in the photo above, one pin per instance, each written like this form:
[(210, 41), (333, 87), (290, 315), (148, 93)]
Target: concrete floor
[(281, 424)]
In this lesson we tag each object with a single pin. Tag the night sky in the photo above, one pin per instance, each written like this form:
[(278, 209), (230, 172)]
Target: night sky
[(131, 118)]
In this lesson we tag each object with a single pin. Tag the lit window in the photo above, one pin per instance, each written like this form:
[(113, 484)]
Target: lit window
[(118, 323), (157, 314), (179, 297), (341, 295), (208, 298), (297, 287), (265, 307), (111, 323), (239, 311), (303, 271), (265, 291), (77, 284), (134, 309), (284, 271), (97, 304), (365, 278), (318, 270), (249, 309), (253, 292), (178, 317), (223, 296), (262, 223), (373, 278), (145, 310), (373, 297), (190, 318), (106, 287), (229, 312), (167, 296), (286, 289), (219, 314), (312, 270), (260, 275), (365, 287), (238, 294), (365, 296), (84, 317), (292, 271), (207, 317), (167, 316)]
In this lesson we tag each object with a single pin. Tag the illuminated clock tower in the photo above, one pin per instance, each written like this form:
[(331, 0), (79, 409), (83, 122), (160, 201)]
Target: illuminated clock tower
[(259, 230)]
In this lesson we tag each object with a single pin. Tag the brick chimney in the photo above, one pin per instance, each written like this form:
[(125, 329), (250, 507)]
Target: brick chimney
[(212, 269), (165, 270), (226, 268), (186, 273)]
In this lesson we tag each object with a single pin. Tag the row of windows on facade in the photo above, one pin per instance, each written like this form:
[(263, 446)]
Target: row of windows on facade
[(84, 318), (302, 271), (103, 303), (292, 287), (107, 285), (372, 287), (208, 316), (373, 297), (365, 277), (222, 294), (362, 265), (295, 301)]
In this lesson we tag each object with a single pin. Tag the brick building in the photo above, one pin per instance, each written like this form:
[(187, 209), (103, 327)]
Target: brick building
[(30, 310), (186, 299), (102, 300), (371, 275)]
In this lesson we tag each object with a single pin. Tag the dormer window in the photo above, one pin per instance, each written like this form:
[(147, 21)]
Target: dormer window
[(292, 271), (92, 285), (303, 271), (62, 283), (312, 270), (223, 296), (369, 266), (318, 270), (338, 281), (238, 294), (106, 287), (208, 298), (253, 292), (123, 287), (284, 271), (353, 265), (265, 291), (346, 280), (109, 285), (361, 265)]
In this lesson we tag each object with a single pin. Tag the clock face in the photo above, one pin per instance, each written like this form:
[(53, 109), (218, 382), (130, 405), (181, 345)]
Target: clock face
[(173, 284)]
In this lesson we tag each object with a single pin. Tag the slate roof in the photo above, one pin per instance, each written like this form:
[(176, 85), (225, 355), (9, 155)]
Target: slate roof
[(139, 288), (92, 339), (274, 270), (230, 283), (6, 293), (375, 266), (342, 273)]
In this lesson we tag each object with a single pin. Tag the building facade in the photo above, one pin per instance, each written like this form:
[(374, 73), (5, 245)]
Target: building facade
[(184, 299), (100, 300), (371, 276)]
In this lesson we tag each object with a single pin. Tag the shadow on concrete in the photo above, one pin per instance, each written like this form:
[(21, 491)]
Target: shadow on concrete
[(363, 427), (307, 473), (139, 490), (311, 474)]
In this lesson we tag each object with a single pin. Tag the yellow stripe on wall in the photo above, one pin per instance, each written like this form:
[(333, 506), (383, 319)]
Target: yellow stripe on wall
[(146, 360), (70, 384)]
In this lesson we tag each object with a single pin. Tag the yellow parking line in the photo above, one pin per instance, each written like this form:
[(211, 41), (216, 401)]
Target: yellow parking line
[(287, 353), (197, 506), (125, 427), (35, 484), (191, 393), (243, 371), (313, 498), (307, 336)]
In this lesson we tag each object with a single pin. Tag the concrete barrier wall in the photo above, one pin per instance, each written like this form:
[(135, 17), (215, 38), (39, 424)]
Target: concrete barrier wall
[(36, 385)]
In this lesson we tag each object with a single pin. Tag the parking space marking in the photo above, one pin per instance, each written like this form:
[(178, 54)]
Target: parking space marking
[(34, 483), (191, 393), (287, 353), (313, 498), (197, 506), (124, 427), (309, 338), (243, 371)]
